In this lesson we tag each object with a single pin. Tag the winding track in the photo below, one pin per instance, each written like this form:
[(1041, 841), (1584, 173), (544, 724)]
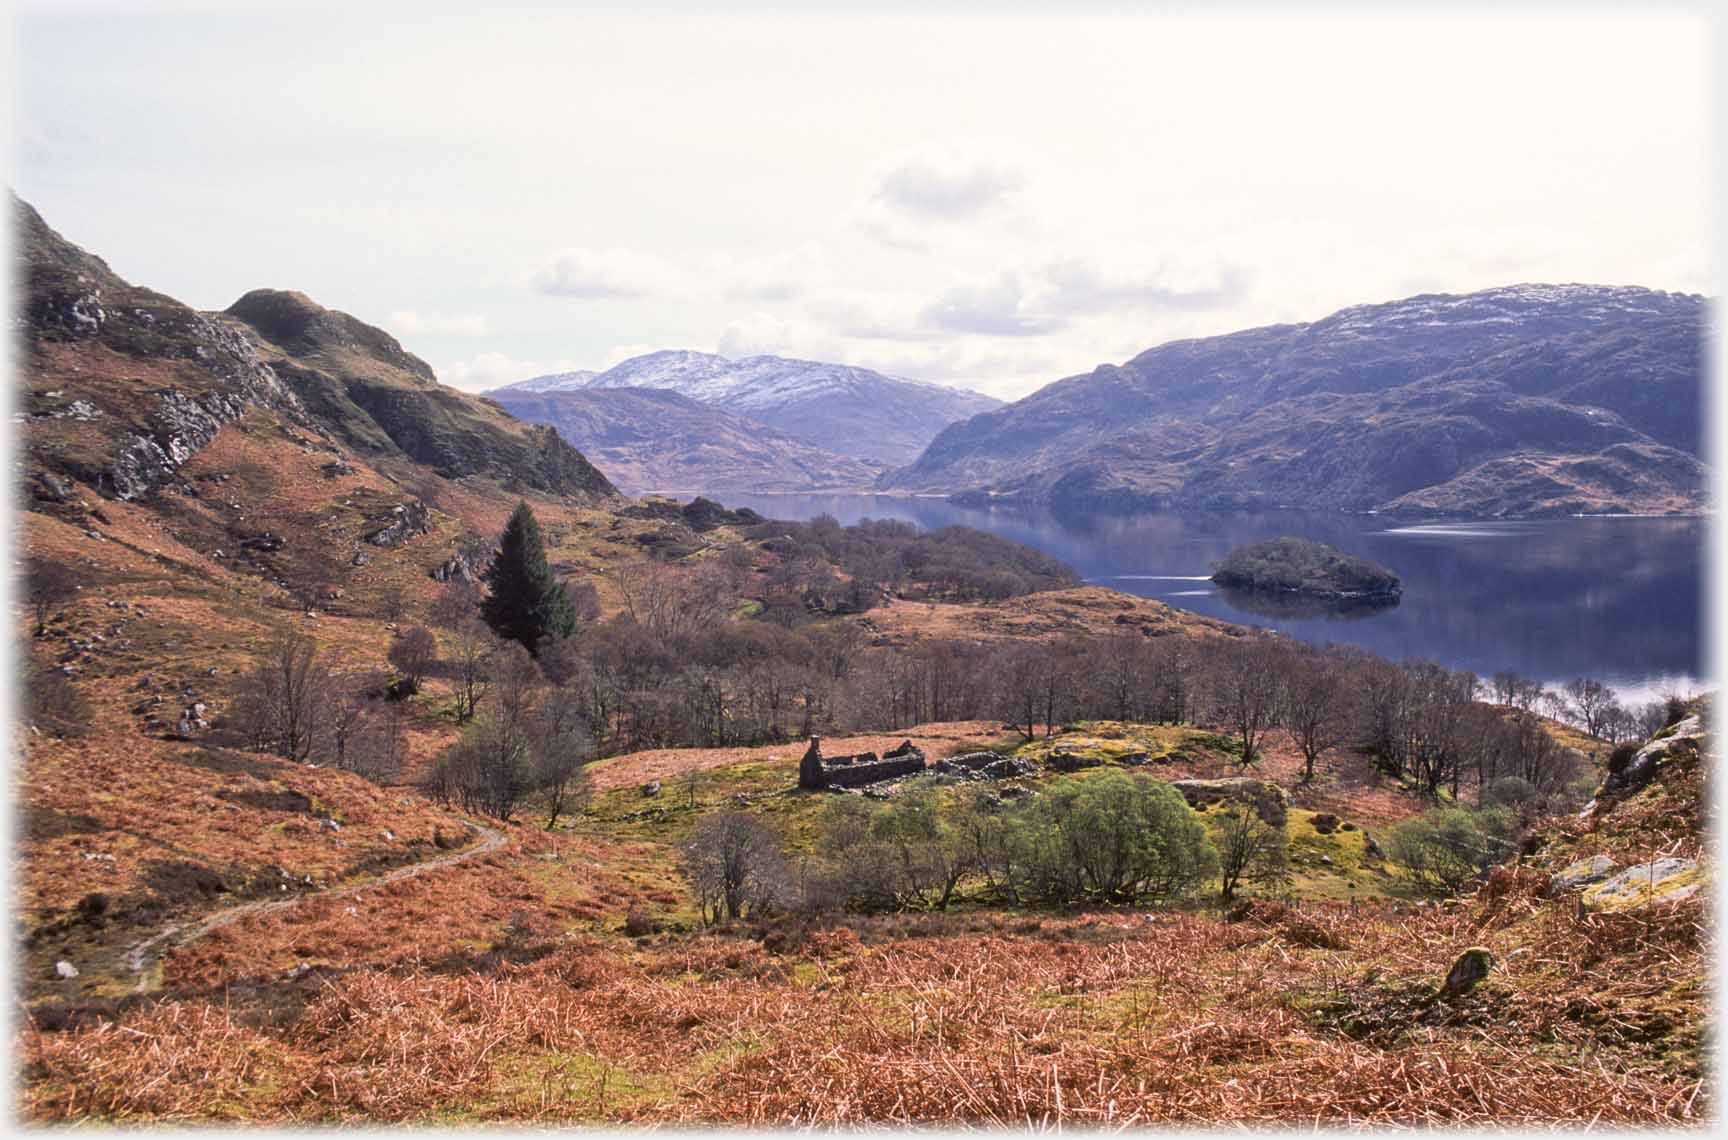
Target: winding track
[(143, 955)]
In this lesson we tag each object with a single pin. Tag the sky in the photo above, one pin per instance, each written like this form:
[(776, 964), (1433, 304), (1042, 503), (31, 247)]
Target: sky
[(992, 202)]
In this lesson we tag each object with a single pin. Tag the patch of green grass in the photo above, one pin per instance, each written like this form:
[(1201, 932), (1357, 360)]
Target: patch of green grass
[(582, 1086)]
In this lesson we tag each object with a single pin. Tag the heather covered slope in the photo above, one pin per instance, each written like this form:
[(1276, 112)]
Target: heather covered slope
[(1522, 401), (125, 385), (653, 439)]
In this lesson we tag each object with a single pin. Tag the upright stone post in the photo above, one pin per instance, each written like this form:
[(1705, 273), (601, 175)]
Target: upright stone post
[(810, 770)]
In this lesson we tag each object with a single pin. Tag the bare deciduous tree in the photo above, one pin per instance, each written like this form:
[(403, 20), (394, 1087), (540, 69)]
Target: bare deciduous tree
[(1314, 710), (1246, 683), (414, 653), (283, 705), (1250, 850), (49, 586), (734, 862), (473, 649)]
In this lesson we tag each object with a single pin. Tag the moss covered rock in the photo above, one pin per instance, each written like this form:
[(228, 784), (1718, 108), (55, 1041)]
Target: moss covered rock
[(1662, 880)]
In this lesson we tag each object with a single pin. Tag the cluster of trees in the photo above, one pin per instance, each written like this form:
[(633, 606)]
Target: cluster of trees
[(1588, 704), (1302, 565), (530, 739), (314, 706), (534, 673), (1112, 838), (953, 563)]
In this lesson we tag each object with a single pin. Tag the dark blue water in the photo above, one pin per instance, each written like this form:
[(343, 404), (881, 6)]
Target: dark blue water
[(1619, 599)]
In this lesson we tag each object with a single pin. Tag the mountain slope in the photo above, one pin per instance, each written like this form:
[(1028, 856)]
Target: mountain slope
[(652, 439), (126, 385), (854, 411), (1531, 399)]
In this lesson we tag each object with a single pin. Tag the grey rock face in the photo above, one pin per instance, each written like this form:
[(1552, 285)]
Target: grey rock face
[(408, 520), (1583, 873), (1659, 881)]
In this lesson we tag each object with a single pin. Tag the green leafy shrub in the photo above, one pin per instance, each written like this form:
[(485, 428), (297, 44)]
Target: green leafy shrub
[(1447, 848)]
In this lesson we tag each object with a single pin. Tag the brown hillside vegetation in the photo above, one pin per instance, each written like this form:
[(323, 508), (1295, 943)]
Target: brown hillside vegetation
[(219, 924), (1079, 611)]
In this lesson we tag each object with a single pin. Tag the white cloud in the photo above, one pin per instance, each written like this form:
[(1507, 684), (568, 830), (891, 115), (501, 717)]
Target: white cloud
[(775, 277), (407, 322), (998, 307), (934, 195), (578, 272), (1077, 285), (494, 369), (764, 334), (946, 185)]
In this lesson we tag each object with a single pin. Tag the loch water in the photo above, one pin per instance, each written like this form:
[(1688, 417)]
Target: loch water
[(1618, 599)]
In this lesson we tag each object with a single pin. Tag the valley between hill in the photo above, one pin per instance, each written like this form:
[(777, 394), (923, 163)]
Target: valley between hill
[(400, 908)]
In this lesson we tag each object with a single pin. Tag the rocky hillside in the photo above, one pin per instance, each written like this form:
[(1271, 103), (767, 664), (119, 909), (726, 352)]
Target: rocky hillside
[(126, 385), (1519, 401), (653, 439), (852, 411)]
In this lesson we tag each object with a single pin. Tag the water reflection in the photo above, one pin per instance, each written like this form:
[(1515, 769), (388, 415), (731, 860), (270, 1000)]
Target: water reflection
[(1615, 598), (1299, 606)]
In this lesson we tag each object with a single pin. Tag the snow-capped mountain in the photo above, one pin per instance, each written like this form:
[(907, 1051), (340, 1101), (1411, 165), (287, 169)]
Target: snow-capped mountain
[(851, 411), (555, 382), (1520, 400)]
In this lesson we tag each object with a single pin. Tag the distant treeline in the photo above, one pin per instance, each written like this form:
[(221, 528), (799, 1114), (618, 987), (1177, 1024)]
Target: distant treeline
[(953, 563), (689, 662)]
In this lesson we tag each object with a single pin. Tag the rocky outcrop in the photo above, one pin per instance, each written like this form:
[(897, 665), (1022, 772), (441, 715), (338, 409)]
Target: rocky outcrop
[(1269, 801), (1627, 773), (76, 308), (1581, 874), (1658, 881), (380, 399), (1469, 971), (159, 380), (405, 521)]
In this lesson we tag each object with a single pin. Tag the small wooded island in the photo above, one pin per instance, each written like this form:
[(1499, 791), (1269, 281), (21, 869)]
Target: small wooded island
[(1291, 565)]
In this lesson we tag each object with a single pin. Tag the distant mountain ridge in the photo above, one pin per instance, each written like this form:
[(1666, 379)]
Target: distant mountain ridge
[(552, 382), (852, 411), (653, 439), (1521, 400)]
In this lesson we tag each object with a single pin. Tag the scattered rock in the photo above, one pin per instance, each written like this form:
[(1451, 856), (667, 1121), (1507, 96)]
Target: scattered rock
[(1469, 971), (1628, 773), (1660, 881), (406, 521), (1325, 823), (651, 788), (1065, 760), (1583, 873), (1007, 768), (52, 488), (1268, 800), (65, 969)]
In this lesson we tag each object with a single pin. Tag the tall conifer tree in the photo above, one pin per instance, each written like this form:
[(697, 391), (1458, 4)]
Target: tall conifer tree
[(526, 603)]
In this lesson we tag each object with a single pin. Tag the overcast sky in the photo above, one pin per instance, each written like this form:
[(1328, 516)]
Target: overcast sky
[(990, 202)]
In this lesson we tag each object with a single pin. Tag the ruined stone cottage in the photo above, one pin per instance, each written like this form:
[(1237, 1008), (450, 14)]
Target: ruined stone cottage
[(817, 772)]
